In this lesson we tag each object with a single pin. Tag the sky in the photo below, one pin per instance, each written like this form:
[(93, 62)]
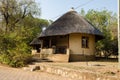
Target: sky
[(53, 9)]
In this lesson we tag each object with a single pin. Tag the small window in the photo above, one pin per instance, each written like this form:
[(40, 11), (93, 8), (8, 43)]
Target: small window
[(85, 42)]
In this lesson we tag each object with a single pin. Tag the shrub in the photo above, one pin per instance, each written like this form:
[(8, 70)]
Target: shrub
[(14, 50), (4, 59), (16, 60)]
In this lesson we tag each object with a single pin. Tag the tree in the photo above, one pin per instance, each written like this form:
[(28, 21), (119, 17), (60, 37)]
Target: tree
[(82, 12), (13, 11), (20, 26), (119, 38), (106, 22), (33, 26)]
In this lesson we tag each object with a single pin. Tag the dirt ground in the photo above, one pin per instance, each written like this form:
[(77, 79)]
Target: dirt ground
[(8, 73), (108, 68), (104, 67)]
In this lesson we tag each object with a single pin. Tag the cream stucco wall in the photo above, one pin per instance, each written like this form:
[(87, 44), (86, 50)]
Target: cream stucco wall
[(76, 47), (62, 41)]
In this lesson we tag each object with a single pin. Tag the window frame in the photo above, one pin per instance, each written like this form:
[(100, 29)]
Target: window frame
[(85, 42)]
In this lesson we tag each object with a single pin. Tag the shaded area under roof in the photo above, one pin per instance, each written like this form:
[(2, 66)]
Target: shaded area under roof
[(71, 22)]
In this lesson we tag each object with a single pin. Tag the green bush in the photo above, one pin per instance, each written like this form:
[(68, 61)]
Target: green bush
[(4, 59), (14, 50), (16, 60)]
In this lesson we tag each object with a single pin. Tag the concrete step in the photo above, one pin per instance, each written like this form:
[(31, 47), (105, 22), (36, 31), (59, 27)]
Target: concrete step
[(59, 57)]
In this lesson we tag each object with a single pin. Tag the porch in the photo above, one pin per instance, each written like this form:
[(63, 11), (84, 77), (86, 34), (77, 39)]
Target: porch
[(53, 48), (48, 54)]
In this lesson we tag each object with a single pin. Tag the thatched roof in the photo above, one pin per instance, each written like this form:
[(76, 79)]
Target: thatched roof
[(35, 41), (71, 22)]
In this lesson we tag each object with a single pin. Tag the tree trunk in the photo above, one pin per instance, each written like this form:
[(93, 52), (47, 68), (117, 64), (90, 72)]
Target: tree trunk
[(119, 34)]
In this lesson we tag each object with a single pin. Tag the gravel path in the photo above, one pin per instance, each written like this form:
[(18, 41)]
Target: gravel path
[(7, 73)]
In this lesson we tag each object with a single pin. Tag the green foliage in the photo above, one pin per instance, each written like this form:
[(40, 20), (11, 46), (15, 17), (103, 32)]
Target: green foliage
[(15, 60), (106, 22), (19, 27), (14, 50), (13, 11), (4, 58), (33, 25)]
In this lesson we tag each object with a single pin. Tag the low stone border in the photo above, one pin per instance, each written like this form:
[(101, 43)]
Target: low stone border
[(71, 73)]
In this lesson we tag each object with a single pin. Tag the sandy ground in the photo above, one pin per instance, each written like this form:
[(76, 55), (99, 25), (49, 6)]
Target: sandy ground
[(108, 68), (7, 73), (104, 68)]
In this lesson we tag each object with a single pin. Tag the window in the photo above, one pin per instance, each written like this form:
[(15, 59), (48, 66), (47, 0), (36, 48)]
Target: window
[(85, 42)]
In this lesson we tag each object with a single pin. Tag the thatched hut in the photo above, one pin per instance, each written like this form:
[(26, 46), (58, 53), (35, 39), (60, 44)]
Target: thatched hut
[(70, 38)]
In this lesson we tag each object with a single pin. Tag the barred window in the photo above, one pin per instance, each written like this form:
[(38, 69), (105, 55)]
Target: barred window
[(85, 41)]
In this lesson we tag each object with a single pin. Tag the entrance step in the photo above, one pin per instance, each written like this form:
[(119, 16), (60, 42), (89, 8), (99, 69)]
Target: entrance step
[(59, 57)]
